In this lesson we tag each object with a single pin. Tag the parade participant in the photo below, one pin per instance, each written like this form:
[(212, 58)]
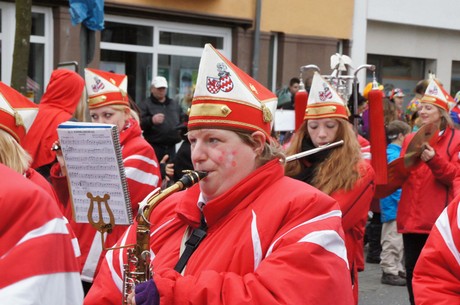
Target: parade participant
[(37, 258), (455, 111), (17, 114), (430, 186), (391, 262), (63, 94), (32, 227), (341, 172), (437, 272), (259, 222), (413, 105), (397, 98), (108, 103)]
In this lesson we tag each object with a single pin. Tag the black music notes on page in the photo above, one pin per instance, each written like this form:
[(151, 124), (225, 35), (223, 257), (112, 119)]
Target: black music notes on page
[(92, 154)]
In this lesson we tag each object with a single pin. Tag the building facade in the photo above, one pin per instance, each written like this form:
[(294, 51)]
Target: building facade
[(268, 39), (144, 38), (407, 40)]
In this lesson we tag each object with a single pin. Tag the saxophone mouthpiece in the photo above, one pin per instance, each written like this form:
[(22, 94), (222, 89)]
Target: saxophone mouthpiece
[(201, 174), (192, 177)]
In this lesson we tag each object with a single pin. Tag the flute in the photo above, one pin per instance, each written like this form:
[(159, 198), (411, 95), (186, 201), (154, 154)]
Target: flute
[(313, 151)]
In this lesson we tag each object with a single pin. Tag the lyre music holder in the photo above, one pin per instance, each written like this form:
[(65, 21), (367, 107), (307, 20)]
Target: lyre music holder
[(100, 225)]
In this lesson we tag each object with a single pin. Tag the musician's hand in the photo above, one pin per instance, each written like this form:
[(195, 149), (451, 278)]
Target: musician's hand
[(428, 153), (169, 169), (57, 149), (146, 294), (131, 299)]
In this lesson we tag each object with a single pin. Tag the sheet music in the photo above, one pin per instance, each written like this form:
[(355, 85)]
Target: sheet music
[(93, 161)]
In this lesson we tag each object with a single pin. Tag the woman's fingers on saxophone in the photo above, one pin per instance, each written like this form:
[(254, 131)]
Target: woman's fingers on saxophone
[(131, 299)]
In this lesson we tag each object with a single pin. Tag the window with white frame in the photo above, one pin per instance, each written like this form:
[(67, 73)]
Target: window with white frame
[(142, 49), (41, 48)]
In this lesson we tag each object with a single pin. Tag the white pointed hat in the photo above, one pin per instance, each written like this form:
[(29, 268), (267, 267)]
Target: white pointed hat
[(324, 101), (436, 94), (105, 88), (227, 98), (17, 113)]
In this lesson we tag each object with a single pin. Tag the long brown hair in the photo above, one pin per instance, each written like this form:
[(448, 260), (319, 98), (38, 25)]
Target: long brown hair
[(340, 170)]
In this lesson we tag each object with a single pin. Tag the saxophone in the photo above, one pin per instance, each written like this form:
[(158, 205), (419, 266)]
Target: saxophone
[(137, 266)]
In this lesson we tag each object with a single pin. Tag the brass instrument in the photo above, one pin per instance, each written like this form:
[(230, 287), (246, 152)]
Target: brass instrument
[(313, 151), (137, 267)]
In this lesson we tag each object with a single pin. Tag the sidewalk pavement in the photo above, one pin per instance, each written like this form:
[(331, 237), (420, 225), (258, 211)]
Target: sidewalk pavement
[(372, 292)]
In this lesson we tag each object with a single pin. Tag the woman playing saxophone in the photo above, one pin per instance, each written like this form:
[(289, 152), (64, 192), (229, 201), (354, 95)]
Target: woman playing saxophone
[(257, 236)]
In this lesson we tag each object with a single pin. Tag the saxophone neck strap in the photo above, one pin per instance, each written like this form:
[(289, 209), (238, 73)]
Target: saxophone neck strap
[(191, 244)]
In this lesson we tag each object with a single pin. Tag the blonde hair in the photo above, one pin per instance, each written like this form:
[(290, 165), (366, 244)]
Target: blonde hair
[(12, 154), (132, 114), (81, 113), (340, 170), (446, 120)]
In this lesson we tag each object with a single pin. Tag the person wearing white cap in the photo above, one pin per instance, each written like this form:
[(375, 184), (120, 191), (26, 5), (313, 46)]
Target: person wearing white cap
[(270, 239), (32, 226), (432, 184), (160, 117), (340, 172)]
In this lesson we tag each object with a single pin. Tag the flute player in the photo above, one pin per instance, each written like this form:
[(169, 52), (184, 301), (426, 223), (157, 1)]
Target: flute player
[(339, 172)]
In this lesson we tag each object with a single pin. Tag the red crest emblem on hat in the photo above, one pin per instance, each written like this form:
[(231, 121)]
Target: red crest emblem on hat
[(223, 82), (99, 85), (213, 84), (326, 94)]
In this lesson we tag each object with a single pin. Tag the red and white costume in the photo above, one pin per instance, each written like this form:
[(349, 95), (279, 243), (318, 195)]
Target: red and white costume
[(430, 187), (56, 106), (354, 205), (37, 258), (271, 240), (437, 272), (143, 176)]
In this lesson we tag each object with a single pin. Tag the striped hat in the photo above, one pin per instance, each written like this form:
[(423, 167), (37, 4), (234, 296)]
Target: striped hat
[(324, 101), (17, 113), (225, 97), (106, 88), (436, 95)]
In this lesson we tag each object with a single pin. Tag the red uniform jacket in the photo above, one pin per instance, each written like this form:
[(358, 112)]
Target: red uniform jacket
[(437, 272), (430, 187), (354, 205), (271, 240), (56, 106), (37, 259)]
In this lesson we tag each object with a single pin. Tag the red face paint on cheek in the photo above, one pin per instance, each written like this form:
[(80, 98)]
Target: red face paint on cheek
[(233, 153)]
